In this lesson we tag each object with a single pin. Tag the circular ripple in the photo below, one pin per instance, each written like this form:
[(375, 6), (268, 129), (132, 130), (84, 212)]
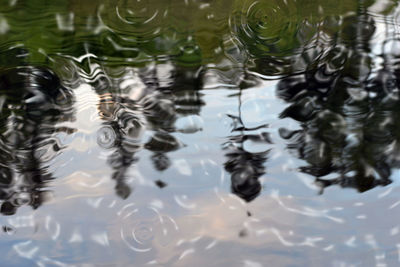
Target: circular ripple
[(106, 137), (143, 229), (264, 27), (140, 19)]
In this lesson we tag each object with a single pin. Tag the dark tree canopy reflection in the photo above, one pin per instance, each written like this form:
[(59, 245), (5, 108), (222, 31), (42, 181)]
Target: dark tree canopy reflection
[(347, 111), (32, 102)]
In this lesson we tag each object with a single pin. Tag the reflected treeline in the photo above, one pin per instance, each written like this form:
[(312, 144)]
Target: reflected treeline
[(348, 109), (32, 102), (140, 110)]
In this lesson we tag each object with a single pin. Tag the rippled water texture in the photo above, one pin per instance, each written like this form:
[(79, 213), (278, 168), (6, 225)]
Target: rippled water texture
[(199, 133)]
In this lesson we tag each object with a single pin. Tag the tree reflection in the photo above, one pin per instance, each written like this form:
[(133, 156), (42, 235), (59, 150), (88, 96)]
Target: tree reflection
[(142, 115), (347, 110), (245, 166), (32, 101)]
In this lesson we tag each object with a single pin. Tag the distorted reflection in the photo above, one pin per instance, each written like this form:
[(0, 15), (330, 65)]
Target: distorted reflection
[(346, 109), (140, 110), (244, 165), (33, 101), (173, 97)]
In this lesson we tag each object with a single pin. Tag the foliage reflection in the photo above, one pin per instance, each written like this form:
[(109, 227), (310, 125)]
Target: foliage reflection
[(33, 101)]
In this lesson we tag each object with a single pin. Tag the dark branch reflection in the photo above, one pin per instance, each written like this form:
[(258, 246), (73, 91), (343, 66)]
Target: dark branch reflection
[(245, 167), (32, 101)]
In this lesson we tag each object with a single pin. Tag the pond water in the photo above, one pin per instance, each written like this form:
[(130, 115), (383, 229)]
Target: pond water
[(200, 133)]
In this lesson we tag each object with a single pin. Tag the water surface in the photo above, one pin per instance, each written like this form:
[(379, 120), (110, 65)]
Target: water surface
[(199, 133)]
